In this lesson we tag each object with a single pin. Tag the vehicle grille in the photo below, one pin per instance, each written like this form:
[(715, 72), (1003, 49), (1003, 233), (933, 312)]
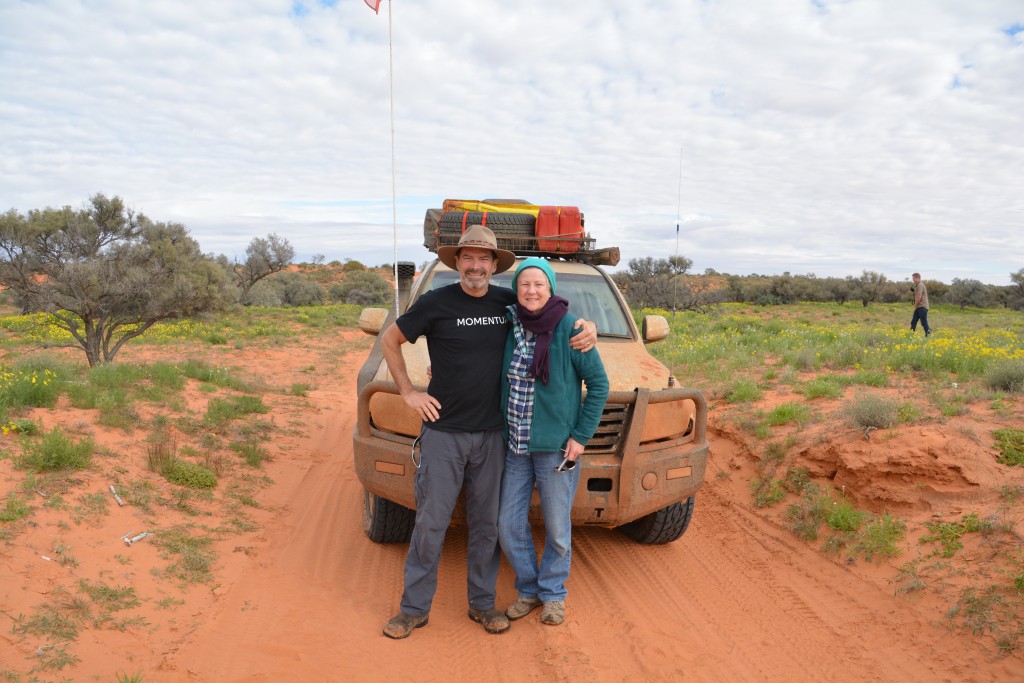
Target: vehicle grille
[(612, 427)]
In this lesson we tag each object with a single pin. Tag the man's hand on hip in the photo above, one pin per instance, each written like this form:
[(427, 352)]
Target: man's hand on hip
[(425, 405)]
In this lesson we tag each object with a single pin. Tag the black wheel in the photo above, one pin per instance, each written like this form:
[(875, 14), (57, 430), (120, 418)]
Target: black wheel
[(662, 526), (386, 522)]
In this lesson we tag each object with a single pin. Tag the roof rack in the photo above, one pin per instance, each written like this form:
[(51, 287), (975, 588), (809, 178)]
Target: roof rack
[(580, 249), (514, 225)]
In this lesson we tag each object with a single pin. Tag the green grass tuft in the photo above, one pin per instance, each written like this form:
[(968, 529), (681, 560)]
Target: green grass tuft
[(55, 451)]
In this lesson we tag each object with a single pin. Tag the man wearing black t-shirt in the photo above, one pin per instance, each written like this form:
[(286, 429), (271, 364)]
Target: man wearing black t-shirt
[(461, 441)]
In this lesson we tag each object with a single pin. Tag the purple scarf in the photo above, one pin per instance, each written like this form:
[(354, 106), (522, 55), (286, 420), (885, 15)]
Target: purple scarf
[(542, 324)]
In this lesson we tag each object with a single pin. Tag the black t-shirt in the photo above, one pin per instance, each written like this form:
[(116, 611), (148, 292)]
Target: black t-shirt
[(466, 342)]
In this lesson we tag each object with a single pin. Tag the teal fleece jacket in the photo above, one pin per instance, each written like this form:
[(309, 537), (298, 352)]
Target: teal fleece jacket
[(557, 409)]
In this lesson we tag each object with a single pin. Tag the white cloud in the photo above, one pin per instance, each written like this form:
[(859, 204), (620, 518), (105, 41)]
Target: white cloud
[(826, 137)]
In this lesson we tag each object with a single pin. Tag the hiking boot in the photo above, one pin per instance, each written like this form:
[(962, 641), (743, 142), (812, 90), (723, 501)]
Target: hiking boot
[(521, 607), (493, 620), (553, 613), (402, 625)]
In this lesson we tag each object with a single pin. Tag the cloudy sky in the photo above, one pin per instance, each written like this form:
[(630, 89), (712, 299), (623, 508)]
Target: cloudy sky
[(808, 136)]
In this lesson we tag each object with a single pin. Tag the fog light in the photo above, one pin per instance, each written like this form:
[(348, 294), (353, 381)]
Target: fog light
[(649, 481)]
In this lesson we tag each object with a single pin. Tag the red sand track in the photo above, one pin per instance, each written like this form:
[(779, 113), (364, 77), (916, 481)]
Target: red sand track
[(304, 598)]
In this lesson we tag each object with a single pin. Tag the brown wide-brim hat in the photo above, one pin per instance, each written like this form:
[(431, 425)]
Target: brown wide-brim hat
[(477, 237)]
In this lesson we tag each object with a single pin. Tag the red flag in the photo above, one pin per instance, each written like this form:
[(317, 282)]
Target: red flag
[(374, 5)]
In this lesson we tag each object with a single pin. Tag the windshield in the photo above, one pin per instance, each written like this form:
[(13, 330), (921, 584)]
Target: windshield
[(589, 298)]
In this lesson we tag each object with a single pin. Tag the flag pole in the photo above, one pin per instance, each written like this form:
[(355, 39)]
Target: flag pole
[(394, 195), (679, 204)]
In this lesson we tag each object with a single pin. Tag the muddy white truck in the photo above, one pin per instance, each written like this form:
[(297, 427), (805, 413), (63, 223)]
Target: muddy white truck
[(639, 473)]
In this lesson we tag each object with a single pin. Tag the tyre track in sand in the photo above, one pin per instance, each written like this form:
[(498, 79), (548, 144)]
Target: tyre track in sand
[(735, 599)]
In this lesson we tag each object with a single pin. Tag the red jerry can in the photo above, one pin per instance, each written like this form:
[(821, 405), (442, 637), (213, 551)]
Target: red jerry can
[(547, 226), (559, 229), (570, 229)]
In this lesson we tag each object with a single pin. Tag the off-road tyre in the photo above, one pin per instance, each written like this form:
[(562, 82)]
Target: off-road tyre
[(513, 231), (662, 526), (385, 521), (499, 223)]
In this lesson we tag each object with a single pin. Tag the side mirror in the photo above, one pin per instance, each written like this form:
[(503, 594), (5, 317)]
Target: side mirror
[(372, 319), (655, 328)]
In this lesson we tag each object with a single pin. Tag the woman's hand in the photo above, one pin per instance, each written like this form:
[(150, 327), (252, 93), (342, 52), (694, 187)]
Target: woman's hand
[(573, 449)]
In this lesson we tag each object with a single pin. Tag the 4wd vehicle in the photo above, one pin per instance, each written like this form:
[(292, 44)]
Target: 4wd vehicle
[(640, 471)]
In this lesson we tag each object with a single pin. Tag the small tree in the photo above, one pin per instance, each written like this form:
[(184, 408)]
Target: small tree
[(868, 287), (965, 293), (1015, 299), (263, 258), (105, 273), (285, 289), (365, 288), (661, 283)]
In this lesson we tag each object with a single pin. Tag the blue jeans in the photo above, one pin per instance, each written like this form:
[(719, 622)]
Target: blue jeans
[(921, 314), (557, 490)]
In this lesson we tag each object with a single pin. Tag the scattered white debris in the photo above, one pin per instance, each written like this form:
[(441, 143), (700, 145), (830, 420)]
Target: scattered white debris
[(136, 539), (116, 497)]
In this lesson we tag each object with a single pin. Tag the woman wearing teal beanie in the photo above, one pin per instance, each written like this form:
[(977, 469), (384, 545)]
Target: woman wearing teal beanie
[(546, 422)]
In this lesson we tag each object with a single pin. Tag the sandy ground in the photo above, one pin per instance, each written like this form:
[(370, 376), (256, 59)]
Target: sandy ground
[(304, 596)]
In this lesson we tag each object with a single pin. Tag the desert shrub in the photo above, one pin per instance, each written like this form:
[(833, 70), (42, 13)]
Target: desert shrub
[(19, 425), (264, 293), (115, 375), (353, 266), (802, 359), (870, 378), (743, 391), (880, 537), (842, 516), (13, 509), (848, 354), (1006, 376), (774, 451), (948, 534), (252, 451), (160, 452), (977, 609), (1010, 443), (56, 451), (806, 517), (968, 292), (870, 410), (192, 556), (822, 387), (219, 409), (285, 289), (767, 491), (363, 288), (202, 371), (189, 474), (24, 386), (298, 290), (166, 375), (797, 480), (785, 413)]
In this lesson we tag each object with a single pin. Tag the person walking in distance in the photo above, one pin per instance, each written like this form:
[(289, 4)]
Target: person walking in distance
[(920, 306), (461, 439)]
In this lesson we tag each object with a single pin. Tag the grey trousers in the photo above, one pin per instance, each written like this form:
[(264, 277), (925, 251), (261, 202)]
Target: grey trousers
[(450, 459)]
